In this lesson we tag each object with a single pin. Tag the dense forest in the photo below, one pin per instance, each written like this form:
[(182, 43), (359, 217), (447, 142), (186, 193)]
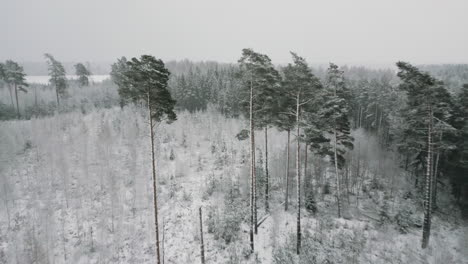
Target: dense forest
[(251, 162)]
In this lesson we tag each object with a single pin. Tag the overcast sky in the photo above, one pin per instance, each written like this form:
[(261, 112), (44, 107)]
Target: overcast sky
[(342, 31)]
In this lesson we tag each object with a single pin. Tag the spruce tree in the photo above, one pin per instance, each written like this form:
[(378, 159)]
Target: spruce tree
[(2, 72), (145, 80), (117, 74), (83, 74), (336, 113), (458, 158), (57, 75)]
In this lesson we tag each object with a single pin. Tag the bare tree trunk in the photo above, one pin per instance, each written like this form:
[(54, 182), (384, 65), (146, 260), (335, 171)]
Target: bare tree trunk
[(338, 189), (163, 241), (436, 172), (307, 179), (155, 197), (35, 96), (11, 96), (17, 105), (360, 118), (286, 199), (298, 177), (267, 179), (57, 94), (202, 246), (428, 187), (252, 173)]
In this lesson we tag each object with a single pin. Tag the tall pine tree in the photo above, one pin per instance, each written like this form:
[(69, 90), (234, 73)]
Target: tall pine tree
[(145, 80), (83, 74), (15, 78), (260, 82), (299, 87), (427, 111), (57, 75)]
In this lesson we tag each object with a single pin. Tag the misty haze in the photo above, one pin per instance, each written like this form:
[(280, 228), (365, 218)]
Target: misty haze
[(214, 131)]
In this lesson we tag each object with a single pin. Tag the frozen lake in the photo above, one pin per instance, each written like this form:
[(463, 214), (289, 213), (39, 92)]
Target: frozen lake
[(44, 79)]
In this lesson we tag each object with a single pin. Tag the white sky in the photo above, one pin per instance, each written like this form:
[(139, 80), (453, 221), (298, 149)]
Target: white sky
[(342, 31)]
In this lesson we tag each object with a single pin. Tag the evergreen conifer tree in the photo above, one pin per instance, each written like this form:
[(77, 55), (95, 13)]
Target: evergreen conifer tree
[(83, 74), (57, 75)]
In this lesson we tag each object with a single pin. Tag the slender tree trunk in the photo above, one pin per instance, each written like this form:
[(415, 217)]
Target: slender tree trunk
[(298, 177), (267, 179), (307, 179), (436, 172), (11, 96), (252, 172), (155, 197), (360, 118), (202, 246), (358, 121), (17, 105), (380, 122), (286, 199), (338, 189), (428, 187), (35, 96), (57, 94), (376, 116)]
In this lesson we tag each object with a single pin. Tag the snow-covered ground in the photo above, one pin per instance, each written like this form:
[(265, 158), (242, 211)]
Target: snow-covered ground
[(76, 188)]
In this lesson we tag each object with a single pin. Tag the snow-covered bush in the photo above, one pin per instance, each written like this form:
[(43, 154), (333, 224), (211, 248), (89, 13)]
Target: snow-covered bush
[(332, 246), (404, 219)]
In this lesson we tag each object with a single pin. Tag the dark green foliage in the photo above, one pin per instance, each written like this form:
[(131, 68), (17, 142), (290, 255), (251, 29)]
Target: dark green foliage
[(145, 80), (7, 112), (298, 83), (404, 220), (258, 71), (458, 158), (340, 246), (334, 114), (225, 224), (310, 203), (326, 188), (13, 74), (243, 135), (57, 76), (197, 86), (2, 72), (384, 213), (423, 92), (117, 74), (83, 74)]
